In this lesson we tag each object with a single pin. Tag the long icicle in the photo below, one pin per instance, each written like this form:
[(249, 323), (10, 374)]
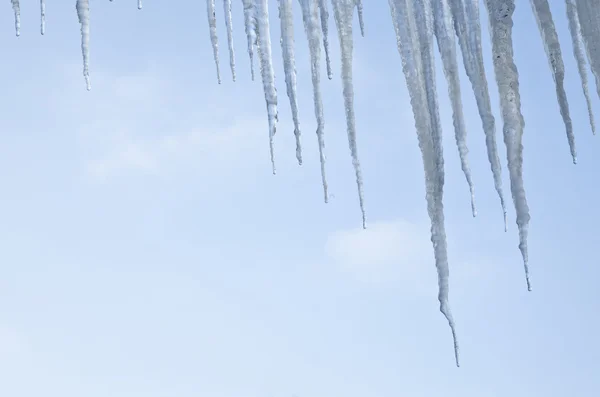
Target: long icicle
[(413, 66), (266, 69), (42, 16), (17, 10), (229, 25), (543, 15), (444, 32), (249, 27), (588, 12), (324, 14), (343, 13), (214, 39), (286, 17), (578, 52), (83, 14), (468, 30), (310, 17), (361, 18), (500, 14)]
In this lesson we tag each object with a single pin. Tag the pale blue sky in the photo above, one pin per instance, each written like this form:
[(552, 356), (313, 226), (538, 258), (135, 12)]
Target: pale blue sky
[(148, 251)]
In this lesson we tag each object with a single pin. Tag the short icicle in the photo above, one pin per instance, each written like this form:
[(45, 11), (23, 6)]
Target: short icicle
[(83, 14), (214, 39)]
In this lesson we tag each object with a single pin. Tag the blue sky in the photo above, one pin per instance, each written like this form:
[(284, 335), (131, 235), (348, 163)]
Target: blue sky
[(148, 251)]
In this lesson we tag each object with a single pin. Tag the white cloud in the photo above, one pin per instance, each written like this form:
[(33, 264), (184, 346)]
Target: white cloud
[(385, 251)]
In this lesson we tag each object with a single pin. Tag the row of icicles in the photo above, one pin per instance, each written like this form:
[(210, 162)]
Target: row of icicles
[(417, 23)]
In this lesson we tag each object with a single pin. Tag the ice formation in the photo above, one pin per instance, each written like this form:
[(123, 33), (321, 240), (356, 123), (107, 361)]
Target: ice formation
[(418, 24)]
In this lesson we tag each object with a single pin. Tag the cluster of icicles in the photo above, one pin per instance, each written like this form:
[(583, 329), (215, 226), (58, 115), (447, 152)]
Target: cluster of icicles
[(416, 23)]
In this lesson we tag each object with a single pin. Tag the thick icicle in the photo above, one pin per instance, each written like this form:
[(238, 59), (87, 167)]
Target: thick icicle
[(500, 14), (468, 30), (361, 20), (266, 69), (310, 17), (411, 44), (577, 40), (83, 14), (286, 17), (250, 27), (228, 24), (543, 15), (343, 13), (42, 16), (324, 13), (444, 32), (139, 4), (589, 18), (17, 10), (212, 25)]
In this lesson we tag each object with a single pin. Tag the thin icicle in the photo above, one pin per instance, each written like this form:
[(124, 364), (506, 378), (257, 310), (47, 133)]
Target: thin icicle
[(500, 14), (588, 12), (266, 69), (249, 26), (468, 30), (17, 10), (444, 32), (361, 21), (214, 39), (543, 15), (42, 16), (577, 41), (310, 17), (343, 12), (324, 13), (286, 17), (410, 45), (228, 24), (83, 14)]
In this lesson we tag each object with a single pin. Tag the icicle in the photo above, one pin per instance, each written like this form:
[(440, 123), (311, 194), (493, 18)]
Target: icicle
[(249, 25), (588, 12), (139, 4), (411, 45), (212, 24), (42, 16), (501, 23), (17, 9), (343, 12), (83, 14), (577, 40), (289, 66), (228, 24), (324, 12), (266, 69), (310, 17), (543, 15), (444, 32), (468, 30), (361, 21)]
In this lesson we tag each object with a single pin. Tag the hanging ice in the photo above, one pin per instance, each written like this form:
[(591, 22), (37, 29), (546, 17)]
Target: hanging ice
[(139, 4), (577, 40), (266, 69), (343, 12), (228, 24), (468, 30), (42, 16), (212, 25), (361, 21), (444, 32), (310, 17), (589, 17), (324, 13), (541, 10), (414, 44), (83, 14), (500, 14), (17, 10), (250, 28), (289, 66)]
